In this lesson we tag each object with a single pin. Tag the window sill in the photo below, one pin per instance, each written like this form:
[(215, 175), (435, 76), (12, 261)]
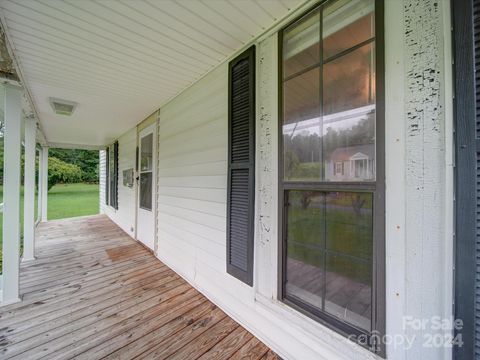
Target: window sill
[(314, 332)]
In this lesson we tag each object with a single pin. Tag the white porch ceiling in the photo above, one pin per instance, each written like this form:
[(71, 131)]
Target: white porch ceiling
[(120, 60)]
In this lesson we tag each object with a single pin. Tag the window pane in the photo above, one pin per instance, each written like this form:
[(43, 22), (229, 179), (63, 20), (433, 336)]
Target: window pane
[(304, 278), (340, 145), (349, 121), (146, 191), (302, 127), (349, 243), (349, 223), (306, 218), (349, 81), (347, 23), (329, 135), (146, 153), (306, 243), (348, 293), (301, 44), (329, 253)]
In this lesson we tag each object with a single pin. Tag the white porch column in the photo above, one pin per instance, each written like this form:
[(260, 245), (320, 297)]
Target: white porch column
[(11, 194), (39, 188), (29, 191), (44, 183)]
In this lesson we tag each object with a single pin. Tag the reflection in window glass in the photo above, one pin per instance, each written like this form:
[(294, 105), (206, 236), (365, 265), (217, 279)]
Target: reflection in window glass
[(302, 100), (146, 191), (301, 45), (348, 291), (349, 82), (305, 246), (302, 127), (349, 223), (346, 23), (329, 253), (329, 110), (350, 142), (349, 116), (329, 125), (146, 153)]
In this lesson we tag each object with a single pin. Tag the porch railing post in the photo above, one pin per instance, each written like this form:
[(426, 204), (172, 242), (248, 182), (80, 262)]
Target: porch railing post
[(29, 191), (11, 193), (44, 183)]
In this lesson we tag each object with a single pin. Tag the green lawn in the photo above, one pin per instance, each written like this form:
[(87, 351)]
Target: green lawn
[(64, 201), (72, 200)]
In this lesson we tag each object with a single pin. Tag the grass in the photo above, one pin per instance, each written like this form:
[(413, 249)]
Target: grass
[(64, 201), (72, 200), (328, 228)]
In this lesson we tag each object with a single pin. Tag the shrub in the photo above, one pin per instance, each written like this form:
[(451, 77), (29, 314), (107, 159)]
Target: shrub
[(62, 172)]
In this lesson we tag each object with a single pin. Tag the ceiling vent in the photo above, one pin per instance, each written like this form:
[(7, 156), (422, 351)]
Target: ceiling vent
[(62, 107)]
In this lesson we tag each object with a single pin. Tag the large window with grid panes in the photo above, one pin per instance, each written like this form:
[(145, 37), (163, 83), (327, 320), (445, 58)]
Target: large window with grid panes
[(332, 165)]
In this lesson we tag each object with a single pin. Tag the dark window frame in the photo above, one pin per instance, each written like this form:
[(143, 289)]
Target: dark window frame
[(377, 188), (244, 276), (111, 192), (115, 174)]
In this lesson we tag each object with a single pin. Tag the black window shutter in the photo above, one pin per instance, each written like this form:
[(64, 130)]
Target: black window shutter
[(241, 166), (476, 191), (107, 176), (115, 174)]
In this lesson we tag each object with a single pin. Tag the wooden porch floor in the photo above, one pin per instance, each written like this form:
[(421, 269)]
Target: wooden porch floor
[(95, 293)]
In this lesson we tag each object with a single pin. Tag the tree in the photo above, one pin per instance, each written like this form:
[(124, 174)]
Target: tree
[(62, 172), (291, 162), (87, 160), (84, 169)]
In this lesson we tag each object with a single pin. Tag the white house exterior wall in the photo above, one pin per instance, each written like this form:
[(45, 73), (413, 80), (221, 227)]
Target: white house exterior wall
[(125, 215), (428, 279), (192, 179)]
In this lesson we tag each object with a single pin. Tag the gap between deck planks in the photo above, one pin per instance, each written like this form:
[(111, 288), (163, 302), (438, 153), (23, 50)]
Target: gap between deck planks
[(95, 293)]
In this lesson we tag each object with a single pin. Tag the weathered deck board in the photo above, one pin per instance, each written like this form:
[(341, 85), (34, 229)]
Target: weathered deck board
[(95, 293)]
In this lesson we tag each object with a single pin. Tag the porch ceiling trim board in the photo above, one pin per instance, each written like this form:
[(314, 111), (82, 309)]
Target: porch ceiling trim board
[(28, 105), (119, 60)]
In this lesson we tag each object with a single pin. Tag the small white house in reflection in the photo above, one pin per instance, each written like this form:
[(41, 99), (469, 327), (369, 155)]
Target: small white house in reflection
[(351, 163)]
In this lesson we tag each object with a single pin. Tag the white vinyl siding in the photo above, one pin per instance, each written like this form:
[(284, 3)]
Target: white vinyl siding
[(191, 215), (192, 172)]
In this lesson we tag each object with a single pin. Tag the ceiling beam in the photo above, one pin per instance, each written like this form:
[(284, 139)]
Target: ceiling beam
[(74, 146)]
